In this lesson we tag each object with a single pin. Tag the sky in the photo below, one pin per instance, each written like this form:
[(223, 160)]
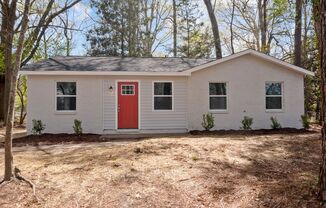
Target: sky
[(82, 14)]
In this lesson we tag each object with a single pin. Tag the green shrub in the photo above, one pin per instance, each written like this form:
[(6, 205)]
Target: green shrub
[(38, 127), (247, 123), (77, 127), (208, 121), (194, 158), (275, 124), (305, 121)]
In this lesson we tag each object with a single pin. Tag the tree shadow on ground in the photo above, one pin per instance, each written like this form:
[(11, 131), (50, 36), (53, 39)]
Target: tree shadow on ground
[(282, 172), (228, 171)]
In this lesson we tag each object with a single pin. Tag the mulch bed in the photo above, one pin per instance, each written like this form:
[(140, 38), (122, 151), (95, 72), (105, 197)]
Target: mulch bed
[(44, 139), (255, 132), (51, 139)]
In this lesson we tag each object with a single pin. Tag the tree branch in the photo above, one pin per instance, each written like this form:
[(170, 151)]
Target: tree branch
[(43, 26)]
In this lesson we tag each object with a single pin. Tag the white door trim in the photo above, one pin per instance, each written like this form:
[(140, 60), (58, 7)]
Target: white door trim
[(116, 104)]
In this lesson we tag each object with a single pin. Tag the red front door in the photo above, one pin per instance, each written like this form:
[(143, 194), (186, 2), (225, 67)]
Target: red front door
[(127, 105)]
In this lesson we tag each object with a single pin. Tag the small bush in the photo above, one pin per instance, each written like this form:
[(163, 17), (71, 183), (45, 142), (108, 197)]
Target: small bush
[(305, 121), (38, 127), (77, 127), (194, 158), (247, 123), (275, 124), (138, 150), (208, 121)]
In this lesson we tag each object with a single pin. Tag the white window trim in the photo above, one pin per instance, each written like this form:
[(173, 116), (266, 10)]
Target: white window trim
[(56, 96), (281, 110), (226, 96), (153, 96), (128, 85)]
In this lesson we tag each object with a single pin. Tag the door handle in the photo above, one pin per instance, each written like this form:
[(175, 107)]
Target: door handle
[(118, 108)]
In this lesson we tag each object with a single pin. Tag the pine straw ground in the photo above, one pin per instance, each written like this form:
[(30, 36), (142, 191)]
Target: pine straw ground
[(274, 170)]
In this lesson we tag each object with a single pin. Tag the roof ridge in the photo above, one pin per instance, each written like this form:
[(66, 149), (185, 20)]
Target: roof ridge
[(140, 57)]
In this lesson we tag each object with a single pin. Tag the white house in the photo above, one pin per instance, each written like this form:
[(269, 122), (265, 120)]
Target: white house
[(149, 95)]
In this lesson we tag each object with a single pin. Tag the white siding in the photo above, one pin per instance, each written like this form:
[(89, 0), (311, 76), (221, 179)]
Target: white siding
[(96, 107), (41, 104), (246, 77), (149, 119), (109, 102)]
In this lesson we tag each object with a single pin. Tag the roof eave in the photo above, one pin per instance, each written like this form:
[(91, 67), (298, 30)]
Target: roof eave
[(257, 54), (112, 73)]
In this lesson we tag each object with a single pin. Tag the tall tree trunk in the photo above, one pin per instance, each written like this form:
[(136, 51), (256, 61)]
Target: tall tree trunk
[(22, 115), (2, 48), (15, 66), (320, 27), (7, 83), (262, 16), (21, 91), (188, 35), (174, 28), (231, 26), (45, 46), (7, 35), (122, 38), (132, 26), (216, 34), (264, 29), (297, 33), (306, 19), (2, 99), (318, 111)]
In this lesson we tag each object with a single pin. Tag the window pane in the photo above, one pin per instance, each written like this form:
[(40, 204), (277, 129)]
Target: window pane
[(163, 88), (217, 103), (273, 103), (66, 88), (217, 88), (273, 88), (162, 103), (127, 89), (66, 103)]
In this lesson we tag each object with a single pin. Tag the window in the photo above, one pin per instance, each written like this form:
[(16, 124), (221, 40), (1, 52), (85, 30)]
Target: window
[(163, 96), (217, 96), (274, 94), (66, 96), (127, 89)]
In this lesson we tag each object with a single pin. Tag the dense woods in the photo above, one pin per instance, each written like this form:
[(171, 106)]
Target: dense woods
[(293, 31)]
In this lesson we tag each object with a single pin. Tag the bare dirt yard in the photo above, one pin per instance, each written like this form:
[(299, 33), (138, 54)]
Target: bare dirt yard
[(212, 170), (18, 132)]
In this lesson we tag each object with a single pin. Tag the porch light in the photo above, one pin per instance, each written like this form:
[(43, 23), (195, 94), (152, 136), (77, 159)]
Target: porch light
[(111, 89)]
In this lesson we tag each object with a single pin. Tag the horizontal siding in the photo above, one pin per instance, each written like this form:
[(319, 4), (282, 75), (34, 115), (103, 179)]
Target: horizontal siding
[(41, 104), (108, 105), (149, 119), (175, 119), (246, 77)]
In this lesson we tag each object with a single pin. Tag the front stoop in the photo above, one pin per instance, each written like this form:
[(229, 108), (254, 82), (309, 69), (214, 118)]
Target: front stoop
[(139, 136)]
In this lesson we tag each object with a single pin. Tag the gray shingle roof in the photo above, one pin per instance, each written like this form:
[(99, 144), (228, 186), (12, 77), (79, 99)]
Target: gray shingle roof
[(132, 64)]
